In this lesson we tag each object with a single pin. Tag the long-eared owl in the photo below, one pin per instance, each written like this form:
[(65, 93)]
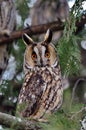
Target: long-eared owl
[(7, 25), (42, 91)]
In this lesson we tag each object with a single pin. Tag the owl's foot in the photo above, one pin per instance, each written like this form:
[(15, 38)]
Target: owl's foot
[(43, 120)]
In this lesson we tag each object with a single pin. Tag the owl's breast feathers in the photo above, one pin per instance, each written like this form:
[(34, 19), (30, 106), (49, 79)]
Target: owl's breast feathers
[(41, 92)]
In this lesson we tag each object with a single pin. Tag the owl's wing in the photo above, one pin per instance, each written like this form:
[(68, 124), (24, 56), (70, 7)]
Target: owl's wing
[(31, 94)]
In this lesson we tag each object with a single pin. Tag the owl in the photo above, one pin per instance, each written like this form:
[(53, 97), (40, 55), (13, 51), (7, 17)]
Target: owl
[(7, 25), (42, 91)]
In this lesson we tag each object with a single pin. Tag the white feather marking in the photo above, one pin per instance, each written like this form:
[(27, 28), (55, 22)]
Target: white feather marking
[(43, 51), (38, 55), (44, 87), (36, 50), (47, 35), (33, 96), (55, 63)]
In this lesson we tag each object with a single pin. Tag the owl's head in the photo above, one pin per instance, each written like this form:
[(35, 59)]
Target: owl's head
[(40, 54)]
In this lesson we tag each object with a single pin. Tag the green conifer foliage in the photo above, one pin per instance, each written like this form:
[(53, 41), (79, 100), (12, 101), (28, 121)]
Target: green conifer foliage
[(68, 49)]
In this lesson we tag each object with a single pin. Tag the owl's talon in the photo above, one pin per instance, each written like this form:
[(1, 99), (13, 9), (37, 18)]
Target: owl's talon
[(43, 120)]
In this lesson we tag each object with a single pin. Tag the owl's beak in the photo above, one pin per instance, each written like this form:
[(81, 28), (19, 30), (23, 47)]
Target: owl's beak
[(41, 64)]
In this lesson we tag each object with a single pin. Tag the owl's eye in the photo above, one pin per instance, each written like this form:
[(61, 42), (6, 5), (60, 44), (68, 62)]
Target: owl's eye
[(47, 55), (34, 56)]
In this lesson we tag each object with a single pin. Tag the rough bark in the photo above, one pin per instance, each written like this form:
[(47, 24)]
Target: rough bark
[(17, 123)]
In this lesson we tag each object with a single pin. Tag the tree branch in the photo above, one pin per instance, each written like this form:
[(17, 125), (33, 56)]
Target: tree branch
[(77, 113), (32, 30), (39, 29), (75, 86), (18, 123)]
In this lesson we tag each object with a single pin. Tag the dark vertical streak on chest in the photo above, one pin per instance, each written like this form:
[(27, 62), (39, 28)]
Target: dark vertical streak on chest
[(40, 91)]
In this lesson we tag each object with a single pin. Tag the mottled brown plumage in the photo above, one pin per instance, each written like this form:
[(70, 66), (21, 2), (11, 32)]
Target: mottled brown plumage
[(42, 90)]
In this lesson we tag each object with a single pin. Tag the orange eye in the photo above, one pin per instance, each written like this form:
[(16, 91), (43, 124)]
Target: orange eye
[(34, 56), (47, 55)]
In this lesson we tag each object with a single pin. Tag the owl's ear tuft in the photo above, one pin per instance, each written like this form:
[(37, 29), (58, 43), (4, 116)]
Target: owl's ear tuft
[(27, 40), (48, 36)]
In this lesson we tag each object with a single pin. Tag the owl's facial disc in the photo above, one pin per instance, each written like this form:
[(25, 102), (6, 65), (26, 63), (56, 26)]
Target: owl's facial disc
[(42, 56)]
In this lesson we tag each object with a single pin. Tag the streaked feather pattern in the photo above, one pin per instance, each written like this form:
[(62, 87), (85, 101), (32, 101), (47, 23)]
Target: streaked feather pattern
[(42, 90)]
